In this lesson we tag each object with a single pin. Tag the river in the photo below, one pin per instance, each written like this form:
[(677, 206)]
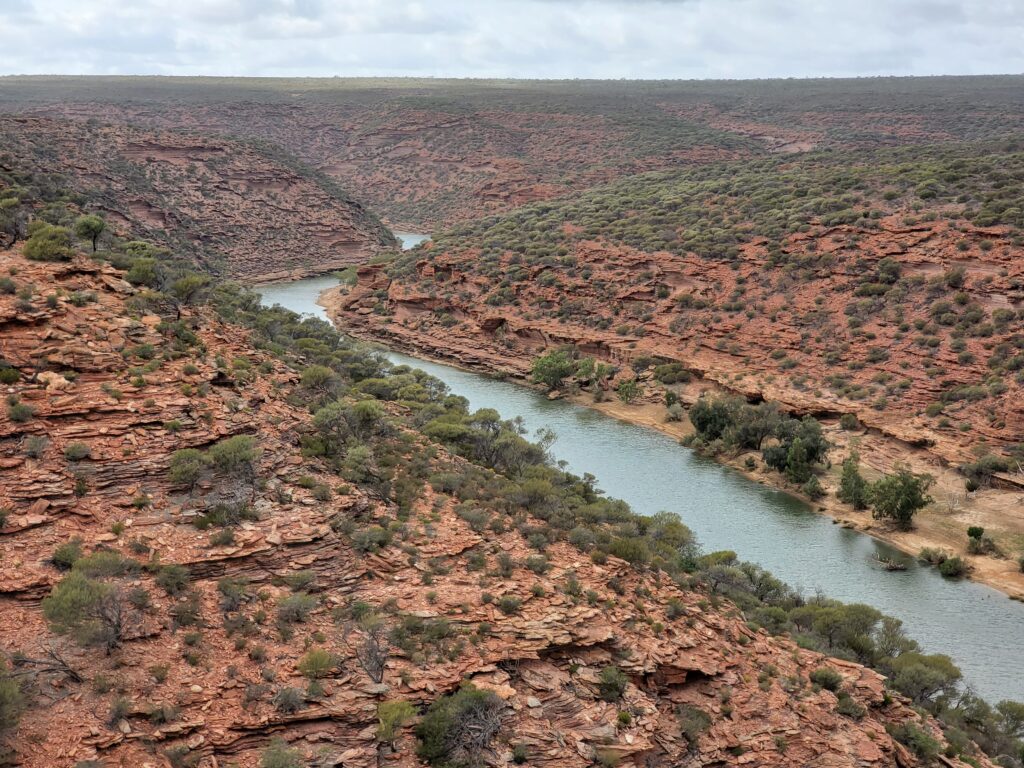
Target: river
[(977, 626)]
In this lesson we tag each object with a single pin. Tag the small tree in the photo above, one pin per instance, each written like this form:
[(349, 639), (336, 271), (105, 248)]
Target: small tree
[(924, 678), (235, 455), (853, 488), (186, 288), (187, 467), (900, 496), (364, 417), (372, 654), (90, 227), (1011, 717), (627, 390), (798, 467), (552, 369)]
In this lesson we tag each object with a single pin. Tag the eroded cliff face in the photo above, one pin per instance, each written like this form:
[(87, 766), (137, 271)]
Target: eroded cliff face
[(430, 153), (246, 211), (425, 167), (196, 674), (749, 329), (928, 394)]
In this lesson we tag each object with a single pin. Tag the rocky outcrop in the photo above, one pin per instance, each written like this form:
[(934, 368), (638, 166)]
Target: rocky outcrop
[(701, 687)]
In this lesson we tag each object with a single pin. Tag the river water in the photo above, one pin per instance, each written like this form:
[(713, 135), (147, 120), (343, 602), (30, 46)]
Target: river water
[(978, 627)]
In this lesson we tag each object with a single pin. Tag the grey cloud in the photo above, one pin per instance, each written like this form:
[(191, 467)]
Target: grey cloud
[(514, 38)]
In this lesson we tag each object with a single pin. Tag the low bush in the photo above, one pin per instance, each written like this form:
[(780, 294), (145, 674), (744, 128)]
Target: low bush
[(280, 755), (295, 609), (392, 715), (316, 664), (827, 678), (288, 701), (67, 554), (916, 740), (612, 683), (12, 703), (456, 729), (953, 567), (509, 604), (173, 579)]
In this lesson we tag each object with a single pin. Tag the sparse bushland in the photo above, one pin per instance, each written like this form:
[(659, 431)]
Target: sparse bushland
[(516, 481)]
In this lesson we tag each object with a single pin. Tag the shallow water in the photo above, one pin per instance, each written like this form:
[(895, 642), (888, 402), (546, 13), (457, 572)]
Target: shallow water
[(975, 625)]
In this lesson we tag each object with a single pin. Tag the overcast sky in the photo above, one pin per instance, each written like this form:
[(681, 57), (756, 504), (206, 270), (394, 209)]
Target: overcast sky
[(513, 38)]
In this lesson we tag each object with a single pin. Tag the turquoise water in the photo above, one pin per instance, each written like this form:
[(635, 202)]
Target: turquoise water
[(978, 627)]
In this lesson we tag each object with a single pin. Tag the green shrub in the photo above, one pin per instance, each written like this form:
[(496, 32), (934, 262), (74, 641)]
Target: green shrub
[(853, 488), (627, 390), (849, 422), (67, 554), (48, 242), (300, 581), (924, 677), (371, 539), (316, 664), (692, 722), (173, 579), (105, 563), (509, 604), (280, 755), (222, 538), (916, 740), (296, 608), (953, 567), (234, 454), (812, 489), (20, 412), (12, 703), (827, 678), (392, 715), (288, 701), (612, 683), (671, 373), (187, 467), (456, 729), (552, 369), (90, 611), (849, 706)]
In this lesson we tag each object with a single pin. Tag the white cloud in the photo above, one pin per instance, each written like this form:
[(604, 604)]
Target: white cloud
[(513, 38)]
